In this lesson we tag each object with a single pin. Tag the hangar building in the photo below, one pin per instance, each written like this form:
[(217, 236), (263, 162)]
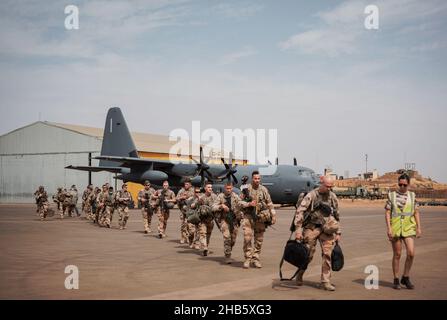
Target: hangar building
[(37, 154)]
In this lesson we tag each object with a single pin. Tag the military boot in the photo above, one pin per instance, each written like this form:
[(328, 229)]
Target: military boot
[(327, 286), (246, 264), (396, 284), (257, 264), (228, 259), (406, 282), (299, 278)]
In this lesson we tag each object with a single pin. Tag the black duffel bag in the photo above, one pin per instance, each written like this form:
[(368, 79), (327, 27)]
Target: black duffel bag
[(337, 258), (295, 253)]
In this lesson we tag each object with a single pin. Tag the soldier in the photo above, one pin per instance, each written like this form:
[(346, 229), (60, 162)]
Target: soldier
[(92, 201), (109, 207), (42, 202), (123, 198), (258, 215), (228, 214), (317, 218), (87, 207), (101, 206), (166, 201), (56, 199), (148, 204), (73, 201), (193, 228), (403, 225), (67, 202), (85, 196), (186, 192), (205, 204)]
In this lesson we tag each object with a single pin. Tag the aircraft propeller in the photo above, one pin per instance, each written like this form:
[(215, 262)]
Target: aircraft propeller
[(202, 168), (230, 170)]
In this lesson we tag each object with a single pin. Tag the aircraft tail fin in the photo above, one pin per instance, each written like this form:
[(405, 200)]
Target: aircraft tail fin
[(117, 140)]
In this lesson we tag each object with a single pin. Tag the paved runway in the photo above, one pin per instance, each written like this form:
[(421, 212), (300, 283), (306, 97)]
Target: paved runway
[(128, 264)]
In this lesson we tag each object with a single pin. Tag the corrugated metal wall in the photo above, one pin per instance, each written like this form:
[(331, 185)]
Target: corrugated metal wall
[(37, 154)]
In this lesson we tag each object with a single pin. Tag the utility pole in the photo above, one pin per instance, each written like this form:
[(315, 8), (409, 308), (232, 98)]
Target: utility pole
[(366, 163), (89, 164)]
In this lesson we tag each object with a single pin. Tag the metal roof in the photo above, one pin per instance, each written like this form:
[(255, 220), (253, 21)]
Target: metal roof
[(145, 142)]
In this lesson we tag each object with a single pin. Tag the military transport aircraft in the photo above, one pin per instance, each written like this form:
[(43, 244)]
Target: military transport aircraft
[(119, 155)]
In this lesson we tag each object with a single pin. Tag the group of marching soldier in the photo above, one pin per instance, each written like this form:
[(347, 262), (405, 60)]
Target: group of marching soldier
[(316, 217), (252, 210), (65, 202), (200, 210)]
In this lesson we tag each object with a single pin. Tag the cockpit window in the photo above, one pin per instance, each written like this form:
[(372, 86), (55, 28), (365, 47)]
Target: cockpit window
[(304, 173)]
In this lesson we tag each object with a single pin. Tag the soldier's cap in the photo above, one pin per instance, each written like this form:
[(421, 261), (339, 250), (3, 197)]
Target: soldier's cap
[(185, 180), (73, 186), (147, 183), (110, 188)]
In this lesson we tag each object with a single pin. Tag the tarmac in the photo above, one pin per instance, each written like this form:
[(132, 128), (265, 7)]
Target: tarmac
[(128, 264)]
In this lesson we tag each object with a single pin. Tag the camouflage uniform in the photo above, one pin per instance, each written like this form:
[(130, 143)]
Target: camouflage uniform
[(227, 226), (109, 207), (123, 198), (101, 206), (193, 229), (90, 204), (84, 198), (147, 209), (56, 199), (184, 230), (86, 206), (255, 222), (67, 202), (73, 201), (163, 211), (42, 203), (206, 224), (312, 222)]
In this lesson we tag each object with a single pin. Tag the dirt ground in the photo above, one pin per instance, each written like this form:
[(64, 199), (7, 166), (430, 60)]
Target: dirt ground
[(129, 264)]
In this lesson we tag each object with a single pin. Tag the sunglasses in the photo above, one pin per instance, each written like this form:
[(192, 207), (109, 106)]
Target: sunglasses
[(403, 185)]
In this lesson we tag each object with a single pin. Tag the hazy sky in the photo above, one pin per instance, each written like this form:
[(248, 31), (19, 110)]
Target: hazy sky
[(333, 89)]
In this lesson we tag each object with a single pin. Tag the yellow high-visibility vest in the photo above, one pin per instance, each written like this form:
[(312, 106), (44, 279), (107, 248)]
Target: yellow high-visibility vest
[(403, 223)]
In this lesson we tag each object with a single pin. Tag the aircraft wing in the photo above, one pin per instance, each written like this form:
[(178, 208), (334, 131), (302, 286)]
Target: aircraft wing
[(129, 162), (96, 169)]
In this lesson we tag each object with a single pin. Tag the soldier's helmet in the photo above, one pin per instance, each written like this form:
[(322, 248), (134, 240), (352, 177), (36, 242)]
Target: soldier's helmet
[(73, 186), (147, 183), (59, 189), (40, 188)]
